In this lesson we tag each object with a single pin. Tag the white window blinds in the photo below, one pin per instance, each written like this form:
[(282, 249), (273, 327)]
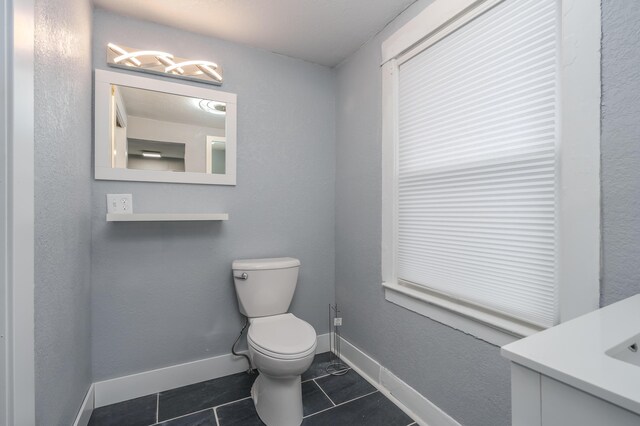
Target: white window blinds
[(476, 183)]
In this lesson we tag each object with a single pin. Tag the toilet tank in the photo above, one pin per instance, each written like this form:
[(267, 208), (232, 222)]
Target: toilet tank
[(265, 286)]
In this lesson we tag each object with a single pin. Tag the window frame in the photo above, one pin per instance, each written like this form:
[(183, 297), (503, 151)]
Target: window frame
[(578, 191)]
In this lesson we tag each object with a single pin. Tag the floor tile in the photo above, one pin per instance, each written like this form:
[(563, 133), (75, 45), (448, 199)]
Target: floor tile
[(313, 399), (196, 397), (343, 388), (371, 410), (241, 413), (318, 367), (202, 418), (134, 412)]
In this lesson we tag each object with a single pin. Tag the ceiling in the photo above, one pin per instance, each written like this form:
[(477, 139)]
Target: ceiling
[(320, 31), (168, 107)]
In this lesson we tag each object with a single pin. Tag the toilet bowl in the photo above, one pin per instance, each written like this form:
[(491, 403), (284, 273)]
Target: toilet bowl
[(281, 346)]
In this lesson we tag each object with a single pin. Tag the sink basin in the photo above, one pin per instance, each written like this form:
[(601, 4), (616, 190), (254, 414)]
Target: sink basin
[(627, 351)]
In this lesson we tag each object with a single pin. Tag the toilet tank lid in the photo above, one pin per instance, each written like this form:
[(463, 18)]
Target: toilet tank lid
[(265, 264)]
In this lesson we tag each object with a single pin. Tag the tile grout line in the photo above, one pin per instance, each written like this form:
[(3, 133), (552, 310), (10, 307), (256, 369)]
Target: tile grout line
[(232, 402), (358, 397), (215, 414), (325, 394), (187, 414), (342, 403), (317, 377), (321, 376), (200, 411), (215, 408)]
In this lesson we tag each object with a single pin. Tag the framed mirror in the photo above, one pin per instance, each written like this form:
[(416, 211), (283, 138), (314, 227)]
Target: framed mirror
[(151, 130)]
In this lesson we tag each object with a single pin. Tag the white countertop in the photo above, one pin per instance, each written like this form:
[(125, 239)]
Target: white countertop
[(574, 353)]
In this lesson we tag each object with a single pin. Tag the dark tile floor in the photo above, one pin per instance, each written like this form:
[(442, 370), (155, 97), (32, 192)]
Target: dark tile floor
[(327, 401)]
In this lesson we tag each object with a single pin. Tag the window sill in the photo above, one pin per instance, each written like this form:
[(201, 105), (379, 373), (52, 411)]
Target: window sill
[(484, 325)]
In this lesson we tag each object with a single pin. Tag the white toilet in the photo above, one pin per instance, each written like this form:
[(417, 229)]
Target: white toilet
[(281, 346)]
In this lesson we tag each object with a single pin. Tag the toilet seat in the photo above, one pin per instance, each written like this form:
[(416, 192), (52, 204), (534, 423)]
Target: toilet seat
[(282, 337)]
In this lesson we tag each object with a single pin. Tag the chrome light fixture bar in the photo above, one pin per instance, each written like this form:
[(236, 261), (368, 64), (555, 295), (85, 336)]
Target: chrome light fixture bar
[(151, 154), (163, 63)]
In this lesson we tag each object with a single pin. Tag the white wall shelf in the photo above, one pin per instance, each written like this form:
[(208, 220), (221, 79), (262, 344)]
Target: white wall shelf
[(165, 217)]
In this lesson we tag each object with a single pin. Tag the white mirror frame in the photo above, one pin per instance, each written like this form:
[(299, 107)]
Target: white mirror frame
[(102, 146)]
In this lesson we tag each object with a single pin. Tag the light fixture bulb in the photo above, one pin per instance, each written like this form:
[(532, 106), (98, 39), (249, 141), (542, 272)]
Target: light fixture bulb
[(213, 107), (151, 154), (120, 51), (206, 67), (133, 55)]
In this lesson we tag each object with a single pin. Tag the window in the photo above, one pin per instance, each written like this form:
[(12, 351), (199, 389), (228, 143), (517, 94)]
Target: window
[(491, 190)]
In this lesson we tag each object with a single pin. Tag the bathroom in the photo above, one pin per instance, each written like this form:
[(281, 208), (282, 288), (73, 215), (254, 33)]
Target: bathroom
[(102, 304)]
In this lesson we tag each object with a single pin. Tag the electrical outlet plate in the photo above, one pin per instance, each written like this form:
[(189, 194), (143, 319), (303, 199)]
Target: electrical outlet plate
[(337, 322), (120, 203)]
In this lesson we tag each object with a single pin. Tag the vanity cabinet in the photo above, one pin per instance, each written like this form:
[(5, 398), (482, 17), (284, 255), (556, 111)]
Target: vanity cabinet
[(583, 372), (539, 400)]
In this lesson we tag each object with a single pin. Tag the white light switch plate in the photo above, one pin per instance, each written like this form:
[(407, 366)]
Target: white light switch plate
[(120, 203)]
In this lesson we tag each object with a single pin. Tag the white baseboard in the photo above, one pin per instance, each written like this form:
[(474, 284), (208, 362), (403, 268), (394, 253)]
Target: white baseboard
[(323, 343), (423, 411), (162, 379), (82, 419), (135, 385), (140, 384)]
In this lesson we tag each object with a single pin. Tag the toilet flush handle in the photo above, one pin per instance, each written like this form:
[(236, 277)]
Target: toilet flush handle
[(244, 276)]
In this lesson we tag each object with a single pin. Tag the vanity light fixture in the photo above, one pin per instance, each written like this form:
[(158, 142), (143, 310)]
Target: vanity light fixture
[(156, 54), (121, 51), (205, 67), (163, 63), (214, 107), (169, 62), (151, 154)]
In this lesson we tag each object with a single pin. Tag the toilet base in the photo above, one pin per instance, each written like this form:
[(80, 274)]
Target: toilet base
[(278, 401)]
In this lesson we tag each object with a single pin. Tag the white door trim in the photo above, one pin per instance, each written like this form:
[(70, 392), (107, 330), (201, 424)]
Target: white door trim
[(18, 209), (578, 152), (3, 212)]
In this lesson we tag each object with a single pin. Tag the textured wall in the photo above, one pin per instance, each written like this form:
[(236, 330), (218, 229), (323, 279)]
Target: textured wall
[(464, 376), (63, 213), (620, 149), (163, 293)]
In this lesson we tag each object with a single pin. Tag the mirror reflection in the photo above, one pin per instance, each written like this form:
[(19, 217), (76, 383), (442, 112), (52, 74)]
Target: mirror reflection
[(166, 132)]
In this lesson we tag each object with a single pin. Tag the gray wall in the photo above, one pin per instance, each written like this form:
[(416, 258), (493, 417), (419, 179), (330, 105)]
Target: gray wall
[(162, 293), (62, 204), (620, 149), (464, 376)]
